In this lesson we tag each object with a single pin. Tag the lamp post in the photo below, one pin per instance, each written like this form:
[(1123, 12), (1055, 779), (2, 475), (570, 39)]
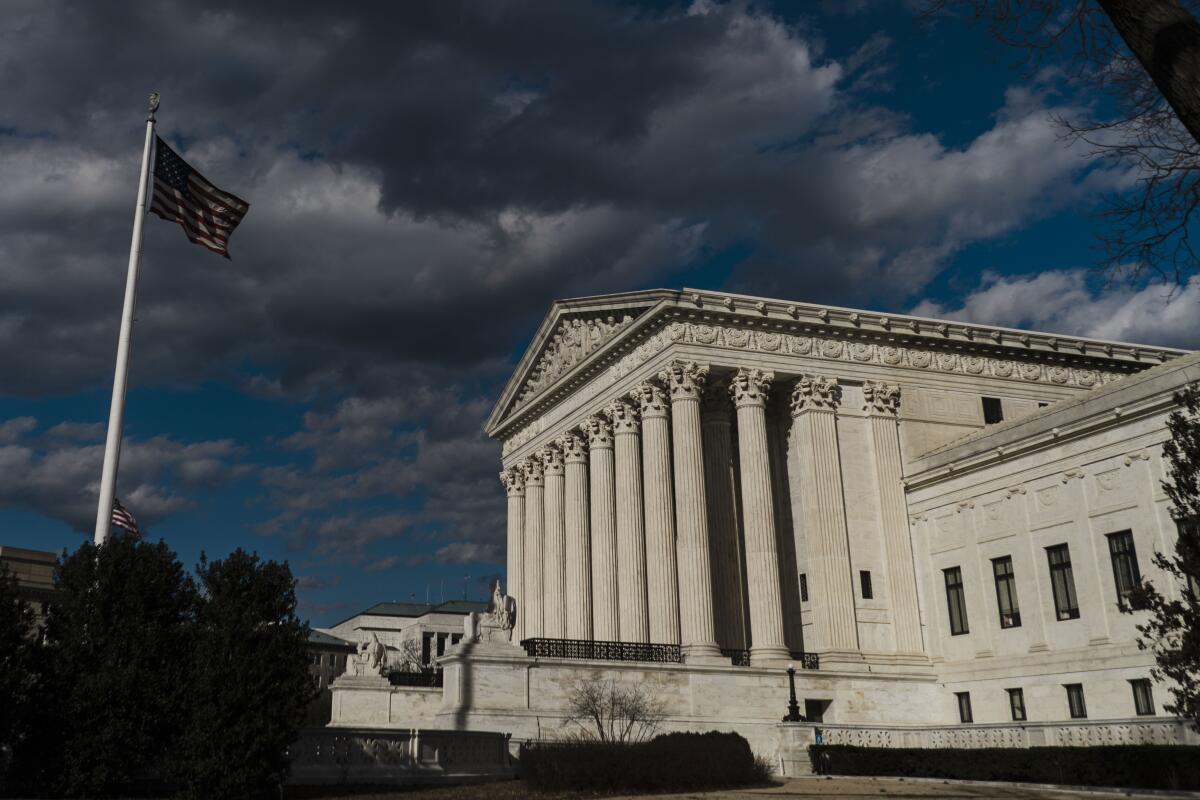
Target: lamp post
[(793, 714)]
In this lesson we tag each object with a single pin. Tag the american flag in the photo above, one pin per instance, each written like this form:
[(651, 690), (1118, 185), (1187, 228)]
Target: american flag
[(121, 518), (207, 214)]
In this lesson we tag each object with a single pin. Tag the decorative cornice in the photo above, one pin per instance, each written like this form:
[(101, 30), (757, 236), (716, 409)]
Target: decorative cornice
[(815, 392), (685, 379), (750, 387), (881, 398)]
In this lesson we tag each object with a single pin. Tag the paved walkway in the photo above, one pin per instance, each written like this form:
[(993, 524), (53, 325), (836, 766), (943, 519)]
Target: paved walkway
[(856, 788)]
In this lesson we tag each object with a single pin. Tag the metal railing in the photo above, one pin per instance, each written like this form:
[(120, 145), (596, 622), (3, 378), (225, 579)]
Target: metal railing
[(741, 658), (603, 651), (429, 679), (807, 660)]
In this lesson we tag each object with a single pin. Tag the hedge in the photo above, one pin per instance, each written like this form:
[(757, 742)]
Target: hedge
[(670, 762), (1125, 766)]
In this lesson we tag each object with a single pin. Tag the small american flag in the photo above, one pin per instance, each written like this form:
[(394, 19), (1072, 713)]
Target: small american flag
[(121, 518), (207, 214)]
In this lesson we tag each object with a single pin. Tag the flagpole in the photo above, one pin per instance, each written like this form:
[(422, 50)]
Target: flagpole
[(116, 411)]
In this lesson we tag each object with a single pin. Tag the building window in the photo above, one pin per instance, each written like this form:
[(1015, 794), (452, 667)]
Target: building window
[(864, 577), (1062, 582), (426, 647), (1124, 563), (1016, 703), (1006, 592), (803, 588), (964, 706), (1143, 697), (1075, 700), (1189, 528), (956, 601), (992, 411)]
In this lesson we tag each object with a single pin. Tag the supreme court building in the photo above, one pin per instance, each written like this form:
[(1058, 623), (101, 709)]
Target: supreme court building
[(936, 522)]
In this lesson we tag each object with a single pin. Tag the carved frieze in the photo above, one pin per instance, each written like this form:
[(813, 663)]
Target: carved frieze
[(574, 341)]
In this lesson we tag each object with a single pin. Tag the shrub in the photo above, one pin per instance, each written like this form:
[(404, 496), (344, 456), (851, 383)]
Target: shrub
[(1128, 766), (670, 762), (19, 670)]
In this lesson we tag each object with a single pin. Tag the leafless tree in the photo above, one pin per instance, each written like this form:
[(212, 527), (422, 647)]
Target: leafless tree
[(406, 658), (610, 712), (1143, 57)]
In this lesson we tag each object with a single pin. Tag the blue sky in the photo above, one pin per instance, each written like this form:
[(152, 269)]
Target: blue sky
[(424, 180)]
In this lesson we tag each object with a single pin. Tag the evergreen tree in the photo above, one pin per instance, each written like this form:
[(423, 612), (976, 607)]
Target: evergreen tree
[(249, 681), (19, 673), (1172, 630), (117, 647)]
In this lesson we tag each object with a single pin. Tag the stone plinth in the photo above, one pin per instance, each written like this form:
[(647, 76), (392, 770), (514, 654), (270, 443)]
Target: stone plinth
[(373, 702), (414, 756)]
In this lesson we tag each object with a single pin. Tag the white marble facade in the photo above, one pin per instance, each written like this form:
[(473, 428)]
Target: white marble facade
[(736, 473)]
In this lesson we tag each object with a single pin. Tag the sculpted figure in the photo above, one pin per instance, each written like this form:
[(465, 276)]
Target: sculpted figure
[(496, 623)]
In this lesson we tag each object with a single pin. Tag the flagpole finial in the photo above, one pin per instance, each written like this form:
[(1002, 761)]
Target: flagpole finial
[(154, 100)]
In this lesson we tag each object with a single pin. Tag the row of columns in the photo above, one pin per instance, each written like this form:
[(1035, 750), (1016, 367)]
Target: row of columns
[(625, 529)]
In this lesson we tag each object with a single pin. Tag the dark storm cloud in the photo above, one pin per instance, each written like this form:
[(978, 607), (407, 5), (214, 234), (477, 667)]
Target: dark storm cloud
[(424, 180)]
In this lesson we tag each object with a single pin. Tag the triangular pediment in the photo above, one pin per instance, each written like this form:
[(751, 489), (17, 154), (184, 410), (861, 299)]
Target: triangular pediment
[(572, 332)]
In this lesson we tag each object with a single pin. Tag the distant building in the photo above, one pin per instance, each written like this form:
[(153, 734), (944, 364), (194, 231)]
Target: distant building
[(34, 571), (326, 660), (418, 632)]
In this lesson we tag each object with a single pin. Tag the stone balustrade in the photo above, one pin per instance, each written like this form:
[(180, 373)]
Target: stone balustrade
[(414, 756)]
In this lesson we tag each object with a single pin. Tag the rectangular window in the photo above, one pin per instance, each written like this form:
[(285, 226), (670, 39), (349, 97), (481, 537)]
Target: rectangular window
[(964, 706), (1006, 592), (1124, 563), (864, 577), (1143, 697), (992, 411), (1016, 703), (1189, 528), (956, 601), (1062, 582), (803, 588), (1075, 700)]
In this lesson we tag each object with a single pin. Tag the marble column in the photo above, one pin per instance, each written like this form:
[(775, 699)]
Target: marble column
[(831, 585), (631, 539), (513, 479), (578, 561), (686, 379), (720, 497), (553, 564), (749, 389), (535, 531), (662, 580), (882, 404), (606, 622)]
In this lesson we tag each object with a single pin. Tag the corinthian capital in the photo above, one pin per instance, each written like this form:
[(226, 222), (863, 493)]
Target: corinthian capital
[(572, 446), (513, 479), (535, 473), (623, 415), (651, 399), (881, 398), (750, 387), (685, 379), (552, 459), (815, 392), (599, 431)]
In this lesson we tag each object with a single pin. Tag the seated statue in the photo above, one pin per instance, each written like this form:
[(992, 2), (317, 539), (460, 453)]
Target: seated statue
[(496, 623), (370, 658)]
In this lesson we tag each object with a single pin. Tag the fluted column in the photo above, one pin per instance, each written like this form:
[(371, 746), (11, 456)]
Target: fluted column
[(631, 540), (882, 404), (535, 531), (749, 389), (814, 401), (513, 479), (726, 556), (578, 562), (553, 564), (686, 379), (606, 622), (662, 579)]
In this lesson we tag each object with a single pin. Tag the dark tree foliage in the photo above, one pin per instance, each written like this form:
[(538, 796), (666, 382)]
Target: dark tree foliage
[(118, 643), (1142, 59), (1172, 631), (19, 673), (249, 686)]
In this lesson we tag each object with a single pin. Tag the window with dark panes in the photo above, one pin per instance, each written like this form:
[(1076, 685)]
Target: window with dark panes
[(1062, 582), (864, 578), (1016, 703), (1124, 563), (1143, 697), (993, 412), (1006, 592), (1075, 700), (964, 706), (956, 601), (803, 588)]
